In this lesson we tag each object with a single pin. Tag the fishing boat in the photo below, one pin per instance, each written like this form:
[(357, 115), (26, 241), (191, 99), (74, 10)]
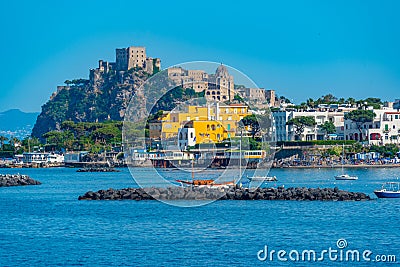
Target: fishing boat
[(204, 182), (389, 190), (263, 178), (344, 176)]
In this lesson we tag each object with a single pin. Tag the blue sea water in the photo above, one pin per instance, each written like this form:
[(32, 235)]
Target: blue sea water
[(47, 226)]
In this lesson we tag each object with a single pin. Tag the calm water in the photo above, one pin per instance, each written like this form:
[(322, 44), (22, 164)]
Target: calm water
[(47, 226)]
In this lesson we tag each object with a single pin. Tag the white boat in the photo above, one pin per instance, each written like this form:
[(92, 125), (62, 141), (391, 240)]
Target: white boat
[(263, 178), (344, 176)]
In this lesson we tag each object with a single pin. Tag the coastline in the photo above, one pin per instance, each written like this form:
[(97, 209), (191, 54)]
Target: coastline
[(359, 166)]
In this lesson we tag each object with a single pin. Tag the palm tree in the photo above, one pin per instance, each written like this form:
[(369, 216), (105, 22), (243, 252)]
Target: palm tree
[(14, 141)]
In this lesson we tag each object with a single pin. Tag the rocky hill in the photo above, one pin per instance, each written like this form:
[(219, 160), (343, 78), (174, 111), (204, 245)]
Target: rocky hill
[(87, 101)]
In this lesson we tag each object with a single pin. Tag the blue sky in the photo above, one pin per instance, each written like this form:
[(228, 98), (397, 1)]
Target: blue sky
[(300, 48)]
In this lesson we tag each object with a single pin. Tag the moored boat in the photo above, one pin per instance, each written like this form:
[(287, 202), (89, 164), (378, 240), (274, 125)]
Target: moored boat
[(205, 183), (263, 178), (389, 190), (345, 177)]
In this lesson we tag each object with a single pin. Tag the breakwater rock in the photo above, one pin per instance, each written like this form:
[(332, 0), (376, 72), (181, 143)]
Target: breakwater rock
[(231, 193), (16, 179)]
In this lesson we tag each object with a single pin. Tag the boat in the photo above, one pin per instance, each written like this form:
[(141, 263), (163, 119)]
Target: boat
[(344, 176), (389, 190), (263, 178), (204, 182)]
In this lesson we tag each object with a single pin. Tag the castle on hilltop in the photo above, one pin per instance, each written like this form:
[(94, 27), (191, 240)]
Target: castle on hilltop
[(217, 87), (125, 59)]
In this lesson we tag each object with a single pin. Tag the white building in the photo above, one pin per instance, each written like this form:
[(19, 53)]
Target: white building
[(287, 133), (385, 128), (74, 157), (38, 157), (186, 138)]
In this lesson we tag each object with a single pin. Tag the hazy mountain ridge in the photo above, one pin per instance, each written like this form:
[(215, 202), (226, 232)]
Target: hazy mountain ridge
[(16, 123)]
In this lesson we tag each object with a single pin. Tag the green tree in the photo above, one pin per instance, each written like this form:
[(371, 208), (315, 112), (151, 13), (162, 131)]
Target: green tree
[(360, 117), (14, 141), (328, 127), (258, 124), (2, 140), (311, 103), (350, 101), (300, 123)]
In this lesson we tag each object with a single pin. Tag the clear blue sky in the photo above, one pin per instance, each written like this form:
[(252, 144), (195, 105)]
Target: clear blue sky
[(300, 48)]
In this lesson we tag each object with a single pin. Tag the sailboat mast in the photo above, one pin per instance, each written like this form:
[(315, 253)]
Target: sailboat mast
[(240, 158), (343, 160), (192, 170)]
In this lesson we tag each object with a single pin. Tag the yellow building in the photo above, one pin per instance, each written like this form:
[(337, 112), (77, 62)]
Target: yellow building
[(212, 131), (215, 122)]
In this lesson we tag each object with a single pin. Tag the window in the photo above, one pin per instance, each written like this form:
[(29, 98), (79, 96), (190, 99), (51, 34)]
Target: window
[(396, 117)]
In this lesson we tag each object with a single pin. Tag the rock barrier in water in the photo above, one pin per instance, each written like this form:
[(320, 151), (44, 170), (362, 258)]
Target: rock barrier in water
[(232, 193), (16, 180)]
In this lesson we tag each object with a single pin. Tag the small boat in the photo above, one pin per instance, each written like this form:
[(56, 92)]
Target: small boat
[(345, 177), (205, 183), (389, 190), (263, 178)]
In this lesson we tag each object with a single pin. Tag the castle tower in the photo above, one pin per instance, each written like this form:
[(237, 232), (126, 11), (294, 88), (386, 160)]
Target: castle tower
[(221, 85)]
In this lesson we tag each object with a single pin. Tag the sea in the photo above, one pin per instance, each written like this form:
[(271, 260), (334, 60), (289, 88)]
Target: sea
[(46, 225)]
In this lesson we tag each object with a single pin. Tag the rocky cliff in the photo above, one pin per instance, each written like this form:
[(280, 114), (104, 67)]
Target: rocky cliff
[(106, 98)]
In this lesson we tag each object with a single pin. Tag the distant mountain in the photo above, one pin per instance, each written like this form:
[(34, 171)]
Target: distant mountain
[(16, 123)]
